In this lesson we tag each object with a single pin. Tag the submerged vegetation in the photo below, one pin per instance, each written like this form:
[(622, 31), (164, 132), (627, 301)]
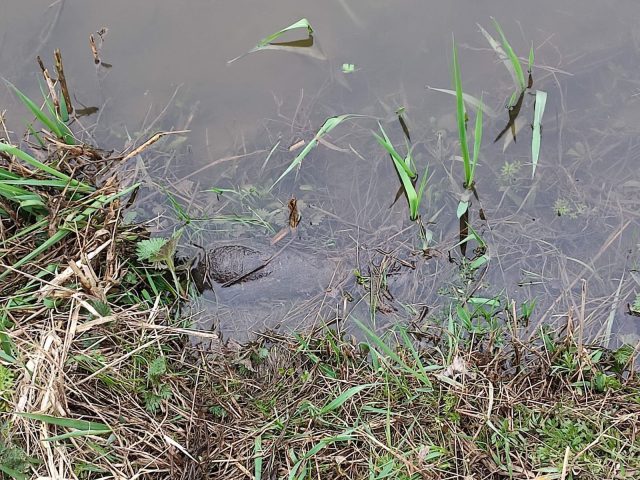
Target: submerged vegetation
[(102, 375)]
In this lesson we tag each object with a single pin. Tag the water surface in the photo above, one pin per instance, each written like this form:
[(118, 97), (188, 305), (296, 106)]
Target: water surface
[(567, 237)]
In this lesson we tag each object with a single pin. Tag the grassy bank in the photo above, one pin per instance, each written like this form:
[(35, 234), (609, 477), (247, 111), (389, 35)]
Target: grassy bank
[(100, 376)]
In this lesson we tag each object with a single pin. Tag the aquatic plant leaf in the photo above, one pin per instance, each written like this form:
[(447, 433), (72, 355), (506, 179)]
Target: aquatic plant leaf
[(478, 262), (502, 55), (461, 116), (410, 191), (513, 58), (388, 146), (267, 42), (328, 125), (531, 56), (302, 23), (477, 141), (469, 100), (423, 184), (538, 111), (463, 206), (407, 176)]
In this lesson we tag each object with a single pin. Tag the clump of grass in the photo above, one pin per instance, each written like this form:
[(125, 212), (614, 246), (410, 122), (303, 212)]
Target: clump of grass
[(399, 408), (69, 283)]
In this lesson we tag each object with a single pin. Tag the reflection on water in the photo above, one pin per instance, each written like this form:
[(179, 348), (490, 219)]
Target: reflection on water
[(567, 238)]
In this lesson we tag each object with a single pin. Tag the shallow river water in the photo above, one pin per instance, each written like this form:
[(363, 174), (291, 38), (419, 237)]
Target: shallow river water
[(568, 237)]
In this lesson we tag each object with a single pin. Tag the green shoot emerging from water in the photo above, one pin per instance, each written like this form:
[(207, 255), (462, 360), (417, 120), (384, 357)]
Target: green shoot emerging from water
[(406, 173), (329, 124), (461, 116)]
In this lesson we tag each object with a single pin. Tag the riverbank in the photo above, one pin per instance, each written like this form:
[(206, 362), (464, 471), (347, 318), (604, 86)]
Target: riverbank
[(100, 376)]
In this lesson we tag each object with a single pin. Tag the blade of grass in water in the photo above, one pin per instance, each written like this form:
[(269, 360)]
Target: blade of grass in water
[(329, 124), (406, 174), (538, 111), (517, 68), (460, 116), (469, 100), (502, 55), (267, 42), (477, 141)]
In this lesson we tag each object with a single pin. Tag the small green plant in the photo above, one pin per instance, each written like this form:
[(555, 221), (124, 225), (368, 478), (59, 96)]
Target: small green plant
[(509, 172), (328, 125), (469, 161), (160, 252), (14, 462), (406, 172), (156, 390), (563, 207), (7, 378)]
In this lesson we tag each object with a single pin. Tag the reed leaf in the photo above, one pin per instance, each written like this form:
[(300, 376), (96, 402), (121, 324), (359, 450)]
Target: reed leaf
[(538, 111)]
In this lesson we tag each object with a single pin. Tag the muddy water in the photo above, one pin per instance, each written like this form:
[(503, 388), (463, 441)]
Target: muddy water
[(567, 238)]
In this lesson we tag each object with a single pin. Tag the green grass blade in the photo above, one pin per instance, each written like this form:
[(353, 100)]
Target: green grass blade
[(469, 100), (67, 422), (423, 184), (329, 124), (265, 42), (388, 146), (538, 111), (64, 110), (57, 127), (76, 433), (409, 189), (25, 157), (463, 206), (257, 454), (376, 341), (302, 23), (460, 115), (517, 68), (477, 141), (502, 55), (342, 398), (531, 56)]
